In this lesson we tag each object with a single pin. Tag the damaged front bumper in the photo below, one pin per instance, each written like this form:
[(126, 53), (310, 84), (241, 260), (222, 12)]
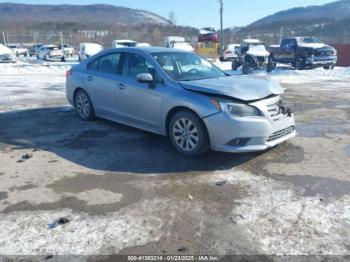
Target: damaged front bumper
[(228, 133)]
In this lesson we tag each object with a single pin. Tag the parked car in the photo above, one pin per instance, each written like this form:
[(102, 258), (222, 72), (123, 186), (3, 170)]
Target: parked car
[(304, 52), (252, 55), (18, 49), (6, 54), (182, 46), (67, 49), (87, 50), (123, 43), (183, 96), (49, 52), (169, 40), (208, 34), (33, 51), (231, 52)]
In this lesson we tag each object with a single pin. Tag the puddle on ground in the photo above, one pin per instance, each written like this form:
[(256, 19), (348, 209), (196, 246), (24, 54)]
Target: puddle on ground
[(3, 195), (313, 186), (320, 129), (347, 150)]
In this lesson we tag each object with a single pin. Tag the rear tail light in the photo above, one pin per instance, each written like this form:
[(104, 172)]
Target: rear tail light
[(69, 73)]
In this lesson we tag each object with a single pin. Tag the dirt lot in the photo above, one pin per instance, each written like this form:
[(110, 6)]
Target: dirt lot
[(126, 191)]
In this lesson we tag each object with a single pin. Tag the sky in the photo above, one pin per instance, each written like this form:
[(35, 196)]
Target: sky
[(199, 13)]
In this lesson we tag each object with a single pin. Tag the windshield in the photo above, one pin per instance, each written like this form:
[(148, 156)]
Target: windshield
[(128, 44), (187, 66), (309, 40)]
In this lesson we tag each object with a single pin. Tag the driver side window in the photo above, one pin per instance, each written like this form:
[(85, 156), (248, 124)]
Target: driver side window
[(136, 64)]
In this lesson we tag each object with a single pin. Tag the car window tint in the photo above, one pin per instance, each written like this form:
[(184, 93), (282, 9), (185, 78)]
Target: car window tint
[(136, 64), (93, 65), (110, 64)]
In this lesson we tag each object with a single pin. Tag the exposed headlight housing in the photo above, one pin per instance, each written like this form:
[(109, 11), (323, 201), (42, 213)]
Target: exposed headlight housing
[(235, 109), (242, 110)]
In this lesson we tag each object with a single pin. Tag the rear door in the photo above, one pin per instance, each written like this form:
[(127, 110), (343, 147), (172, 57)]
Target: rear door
[(140, 104), (103, 77)]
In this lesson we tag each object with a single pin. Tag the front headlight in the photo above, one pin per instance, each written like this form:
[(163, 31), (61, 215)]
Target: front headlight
[(242, 110), (235, 109)]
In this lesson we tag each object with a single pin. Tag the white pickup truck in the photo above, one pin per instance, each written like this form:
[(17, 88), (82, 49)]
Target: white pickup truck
[(18, 49)]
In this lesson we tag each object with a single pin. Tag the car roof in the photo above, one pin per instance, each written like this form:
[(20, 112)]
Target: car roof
[(252, 41), (125, 41), (150, 50)]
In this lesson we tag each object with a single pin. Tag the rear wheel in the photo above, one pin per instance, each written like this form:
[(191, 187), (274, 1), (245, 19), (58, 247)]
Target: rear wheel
[(83, 105), (188, 134)]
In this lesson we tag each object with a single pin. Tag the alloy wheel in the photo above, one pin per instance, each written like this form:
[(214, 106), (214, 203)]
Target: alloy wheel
[(185, 134), (83, 105)]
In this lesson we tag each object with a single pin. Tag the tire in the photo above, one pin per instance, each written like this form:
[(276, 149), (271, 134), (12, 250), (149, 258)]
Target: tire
[(245, 69), (188, 133), (299, 64), (46, 57), (83, 105), (235, 65), (269, 66), (328, 67), (25, 54), (63, 59), (17, 54)]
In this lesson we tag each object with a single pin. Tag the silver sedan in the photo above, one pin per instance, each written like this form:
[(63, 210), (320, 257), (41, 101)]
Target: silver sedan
[(183, 96)]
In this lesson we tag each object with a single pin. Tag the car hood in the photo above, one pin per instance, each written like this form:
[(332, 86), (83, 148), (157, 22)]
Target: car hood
[(241, 88), (315, 45), (259, 50)]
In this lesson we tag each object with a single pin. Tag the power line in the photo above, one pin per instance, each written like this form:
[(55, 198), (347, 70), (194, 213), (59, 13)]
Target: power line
[(271, 8)]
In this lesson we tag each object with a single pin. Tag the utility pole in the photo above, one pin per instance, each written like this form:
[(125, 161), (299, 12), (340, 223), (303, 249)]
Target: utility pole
[(221, 27), (281, 34), (3, 35)]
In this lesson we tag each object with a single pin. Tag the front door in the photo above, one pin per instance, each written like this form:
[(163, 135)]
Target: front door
[(140, 104)]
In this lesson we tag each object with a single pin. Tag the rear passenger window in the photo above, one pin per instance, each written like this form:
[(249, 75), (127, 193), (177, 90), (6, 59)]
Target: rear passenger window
[(110, 64), (93, 65)]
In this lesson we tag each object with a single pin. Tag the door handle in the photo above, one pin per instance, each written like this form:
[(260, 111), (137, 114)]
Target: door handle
[(121, 86), (90, 78)]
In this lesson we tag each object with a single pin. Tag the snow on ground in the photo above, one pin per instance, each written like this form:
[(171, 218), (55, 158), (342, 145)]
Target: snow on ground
[(30, 82)]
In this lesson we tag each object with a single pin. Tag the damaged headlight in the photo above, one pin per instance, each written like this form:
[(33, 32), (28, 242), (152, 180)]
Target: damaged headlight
[(235, 109), (242, 110)]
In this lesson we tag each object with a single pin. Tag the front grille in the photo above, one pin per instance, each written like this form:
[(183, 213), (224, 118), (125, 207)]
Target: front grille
[(281, 133), (275, 110), (324, 53)]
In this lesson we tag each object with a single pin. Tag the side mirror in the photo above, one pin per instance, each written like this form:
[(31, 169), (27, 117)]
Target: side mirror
[(144, 78)]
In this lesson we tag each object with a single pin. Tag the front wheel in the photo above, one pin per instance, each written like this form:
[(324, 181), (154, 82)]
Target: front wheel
[(188, 134), (299, 65), (83, 105), (245, 69), (235, 65), (329, 67)]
